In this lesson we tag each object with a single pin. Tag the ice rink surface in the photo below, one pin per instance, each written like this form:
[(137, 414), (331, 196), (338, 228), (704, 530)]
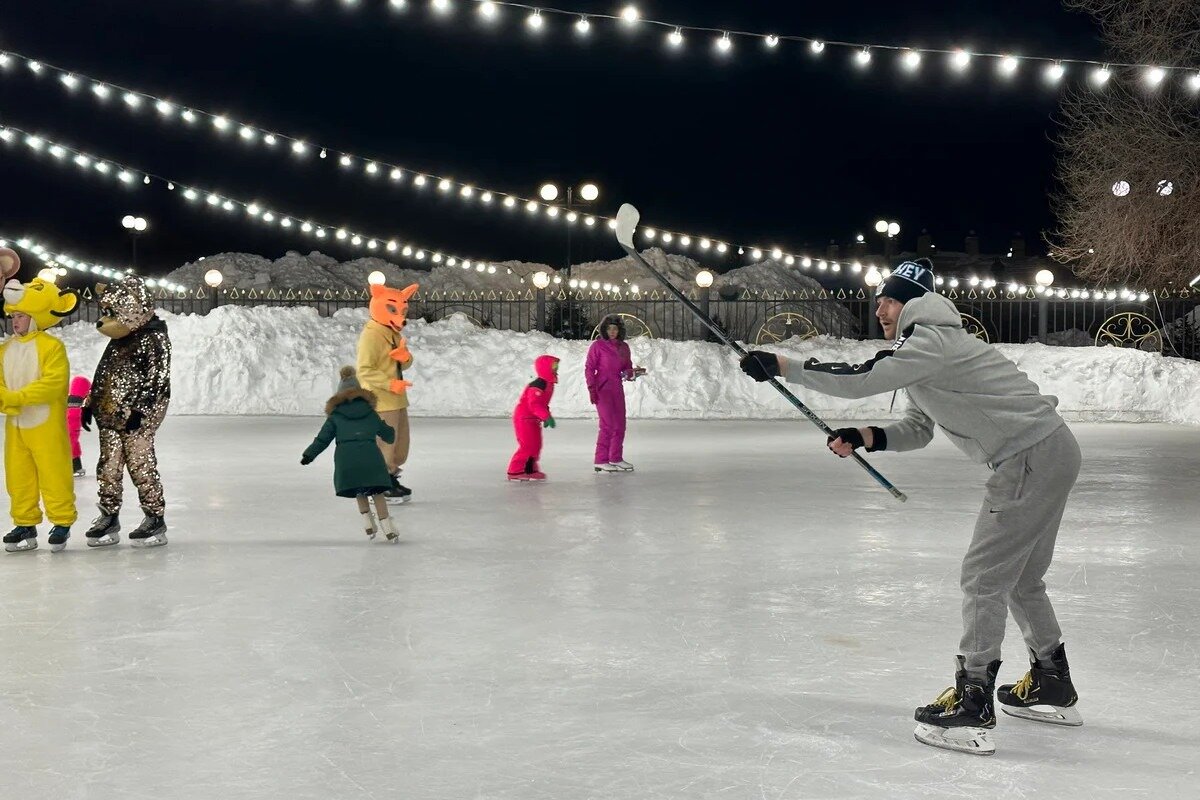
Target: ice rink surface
[(744, 617)]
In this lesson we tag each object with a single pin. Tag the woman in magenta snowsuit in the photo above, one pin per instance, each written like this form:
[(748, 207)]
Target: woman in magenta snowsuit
[(608, 364), (531, 413)]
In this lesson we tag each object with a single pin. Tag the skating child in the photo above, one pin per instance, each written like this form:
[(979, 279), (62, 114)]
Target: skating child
[(80, 388), (530, 415), (359, 470)]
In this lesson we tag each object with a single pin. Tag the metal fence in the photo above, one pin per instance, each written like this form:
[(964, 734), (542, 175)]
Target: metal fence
[(1168, 322)]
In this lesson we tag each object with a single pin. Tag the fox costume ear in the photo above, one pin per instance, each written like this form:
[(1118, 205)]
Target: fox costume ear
[(408, 291)]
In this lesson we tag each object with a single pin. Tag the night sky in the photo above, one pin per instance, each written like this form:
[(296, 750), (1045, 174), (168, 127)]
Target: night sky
[(762, 147)]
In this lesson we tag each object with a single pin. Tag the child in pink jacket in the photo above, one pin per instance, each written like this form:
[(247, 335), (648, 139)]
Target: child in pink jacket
[(76, 395), (533, 412)]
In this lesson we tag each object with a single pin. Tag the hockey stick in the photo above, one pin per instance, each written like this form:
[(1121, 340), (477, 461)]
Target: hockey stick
[(627, 221)]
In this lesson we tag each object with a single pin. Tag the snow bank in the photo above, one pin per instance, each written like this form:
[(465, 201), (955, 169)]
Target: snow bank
[(262, 360)]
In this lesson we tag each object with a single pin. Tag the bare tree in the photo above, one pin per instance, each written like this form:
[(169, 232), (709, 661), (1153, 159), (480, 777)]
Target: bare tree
[(1128, 204)]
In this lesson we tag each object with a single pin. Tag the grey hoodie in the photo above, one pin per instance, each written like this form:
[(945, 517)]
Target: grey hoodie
[(986, 406)]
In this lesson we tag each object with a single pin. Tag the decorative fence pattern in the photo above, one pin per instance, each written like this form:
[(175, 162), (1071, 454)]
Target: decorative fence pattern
[(1168, 322)]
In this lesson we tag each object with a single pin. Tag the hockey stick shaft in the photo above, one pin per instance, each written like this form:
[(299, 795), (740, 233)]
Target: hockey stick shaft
[(779, 387)]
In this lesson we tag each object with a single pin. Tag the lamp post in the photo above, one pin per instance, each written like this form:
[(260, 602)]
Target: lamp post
[(213, 278), (704, 279), (135, 226), (540, 281), (588, 193), (873, 278), (1044, 279), (889, 231)]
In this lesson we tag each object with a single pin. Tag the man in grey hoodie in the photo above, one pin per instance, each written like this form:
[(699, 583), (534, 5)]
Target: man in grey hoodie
[(996, 416)]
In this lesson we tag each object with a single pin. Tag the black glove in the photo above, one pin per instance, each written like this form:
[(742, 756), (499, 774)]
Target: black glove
[(305, 461), (854, 438), (760, 365), (134, 422), (85, 419)]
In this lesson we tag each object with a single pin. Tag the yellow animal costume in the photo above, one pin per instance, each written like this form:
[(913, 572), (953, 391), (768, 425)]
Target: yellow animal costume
[(33, 397)]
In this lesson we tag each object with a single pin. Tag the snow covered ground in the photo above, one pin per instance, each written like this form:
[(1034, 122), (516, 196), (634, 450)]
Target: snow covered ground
[(269, 361), (744, 617)]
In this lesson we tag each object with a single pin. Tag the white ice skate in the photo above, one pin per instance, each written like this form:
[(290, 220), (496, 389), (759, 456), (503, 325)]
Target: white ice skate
[(369, 524), (606, 467), (624, 466), (389, 530), (962, 740)]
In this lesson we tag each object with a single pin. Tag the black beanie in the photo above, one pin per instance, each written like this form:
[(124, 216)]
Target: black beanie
[(907, 281)]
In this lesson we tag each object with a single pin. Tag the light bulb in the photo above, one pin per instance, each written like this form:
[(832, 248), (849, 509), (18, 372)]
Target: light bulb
[(583, 26), (724, 44), (1055, 71), (535, 20), (912, 60), (771, 41), (816, 46), (630, 14), (1008, 65), (863, 57), (961, 59), (675, 38)]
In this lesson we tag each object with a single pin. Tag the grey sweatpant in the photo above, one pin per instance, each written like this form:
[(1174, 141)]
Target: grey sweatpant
[(1012, 548)]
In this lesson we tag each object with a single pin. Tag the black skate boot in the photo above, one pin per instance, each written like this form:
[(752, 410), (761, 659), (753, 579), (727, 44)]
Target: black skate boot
[(58, 537), (77, 467), (105, 530), (20, 539), (961, 716), (1045, 694), (398, 493), (151, 533)]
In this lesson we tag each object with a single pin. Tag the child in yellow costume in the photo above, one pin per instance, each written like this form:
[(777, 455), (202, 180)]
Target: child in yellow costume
[(382, 358), (33, 397)]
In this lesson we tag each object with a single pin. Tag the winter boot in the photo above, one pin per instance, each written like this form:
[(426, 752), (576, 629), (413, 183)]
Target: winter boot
[(961, 716), (105, 530), (1045, 694), (20, 539)]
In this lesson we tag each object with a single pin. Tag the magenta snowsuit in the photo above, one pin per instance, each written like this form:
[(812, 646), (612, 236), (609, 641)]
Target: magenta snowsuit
[(80, 387), (608, 362), (532, 410)]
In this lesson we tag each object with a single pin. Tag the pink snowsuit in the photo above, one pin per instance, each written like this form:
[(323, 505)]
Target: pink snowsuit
[(80, 388), (532, 410), (608, 362)]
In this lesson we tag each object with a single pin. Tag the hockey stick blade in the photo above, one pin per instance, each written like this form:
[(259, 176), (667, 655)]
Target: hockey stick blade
[(627, 221)]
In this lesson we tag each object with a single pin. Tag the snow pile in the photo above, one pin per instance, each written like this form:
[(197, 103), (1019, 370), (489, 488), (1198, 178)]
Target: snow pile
[(261, 360), (316, 270)]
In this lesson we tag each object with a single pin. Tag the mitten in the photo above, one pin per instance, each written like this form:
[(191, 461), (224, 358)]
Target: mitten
[(305, 461), (397, 386), (400, 353), (550, 423), (760, 365), (85, 419)]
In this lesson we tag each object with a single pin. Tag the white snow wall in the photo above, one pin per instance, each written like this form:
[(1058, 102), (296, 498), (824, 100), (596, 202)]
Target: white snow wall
[(260, 360)]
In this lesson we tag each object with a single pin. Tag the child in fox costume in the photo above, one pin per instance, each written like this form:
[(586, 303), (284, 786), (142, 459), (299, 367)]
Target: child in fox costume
[(530, 415), (382, 358)]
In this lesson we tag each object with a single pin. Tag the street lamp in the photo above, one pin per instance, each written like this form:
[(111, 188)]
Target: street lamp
[(889, 230), (135, 226), (540, 281), (213, 278), (588, 193), (704, 279), (873, 278), (376, 278), (1043, 279)]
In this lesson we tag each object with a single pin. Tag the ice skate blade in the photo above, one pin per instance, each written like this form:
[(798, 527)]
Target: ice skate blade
[(23, 546), (961, 740), (104, 541), (398, 501), (58, 548), (1054, 715), (393, 538), (158, 540)]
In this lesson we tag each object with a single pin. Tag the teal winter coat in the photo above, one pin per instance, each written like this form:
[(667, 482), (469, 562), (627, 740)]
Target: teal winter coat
[(353, 426)]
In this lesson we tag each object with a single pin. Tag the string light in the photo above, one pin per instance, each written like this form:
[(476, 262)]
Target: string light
[(54, 257), (125, 174)]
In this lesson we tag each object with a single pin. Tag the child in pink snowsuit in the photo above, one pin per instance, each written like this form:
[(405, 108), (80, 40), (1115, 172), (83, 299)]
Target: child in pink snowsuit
[(531, 413), (76, 395), (608, 364)]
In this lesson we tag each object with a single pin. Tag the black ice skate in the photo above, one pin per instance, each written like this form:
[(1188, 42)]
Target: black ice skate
[(105, 530), (77, 468), (1045, 694), (21, 539), (58, 537), (151, 533), (962, 715), (398, 493)]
